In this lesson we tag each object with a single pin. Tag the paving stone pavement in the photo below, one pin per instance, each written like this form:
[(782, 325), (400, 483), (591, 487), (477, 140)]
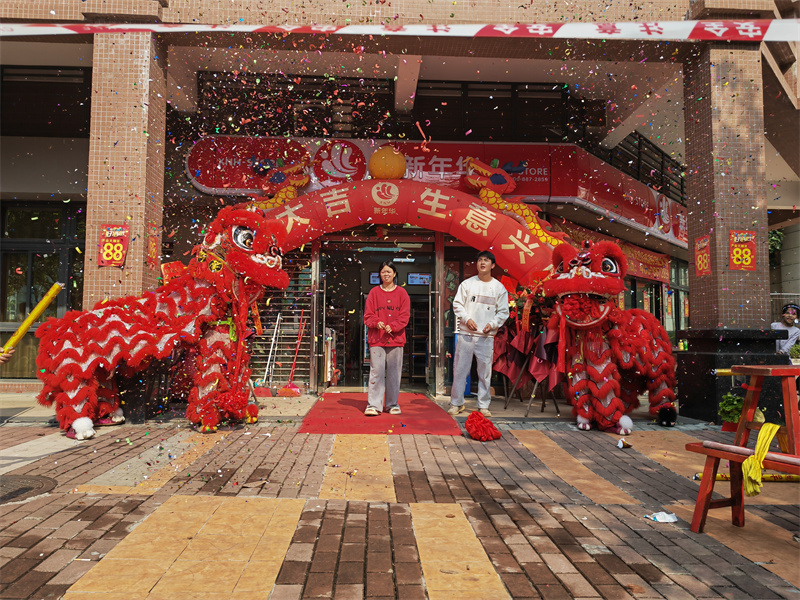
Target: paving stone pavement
[(539, 535)]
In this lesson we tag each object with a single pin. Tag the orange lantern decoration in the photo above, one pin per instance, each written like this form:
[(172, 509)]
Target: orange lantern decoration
[(387, 163)]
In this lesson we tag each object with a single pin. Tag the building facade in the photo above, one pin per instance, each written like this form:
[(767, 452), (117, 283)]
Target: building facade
[(668, 146)]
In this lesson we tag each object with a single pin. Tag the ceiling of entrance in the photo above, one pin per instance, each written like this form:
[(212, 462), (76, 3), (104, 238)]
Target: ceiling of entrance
[(647, 97)]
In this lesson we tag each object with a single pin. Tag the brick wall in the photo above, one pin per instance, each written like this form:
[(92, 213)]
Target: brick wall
[(725, 150), (126, 158)]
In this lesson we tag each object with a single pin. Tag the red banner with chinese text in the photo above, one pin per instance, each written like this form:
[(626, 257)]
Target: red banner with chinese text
[(702, 256), (152, 246), (113, 246), (741, 250)]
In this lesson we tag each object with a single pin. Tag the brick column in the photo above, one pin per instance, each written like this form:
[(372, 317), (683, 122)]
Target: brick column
[(126, 158), (727, 189)]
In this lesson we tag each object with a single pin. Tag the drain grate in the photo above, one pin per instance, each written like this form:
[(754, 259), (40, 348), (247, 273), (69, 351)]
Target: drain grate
[(14, 488)]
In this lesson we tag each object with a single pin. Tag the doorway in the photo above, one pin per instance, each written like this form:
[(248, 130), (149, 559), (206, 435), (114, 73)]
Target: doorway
[(349, 265)]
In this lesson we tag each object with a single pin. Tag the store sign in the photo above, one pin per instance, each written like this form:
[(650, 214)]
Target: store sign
[(526, 256), (702, 256), (742, 250), (253, 166), (641, 263), (235, 166), (113, 245)]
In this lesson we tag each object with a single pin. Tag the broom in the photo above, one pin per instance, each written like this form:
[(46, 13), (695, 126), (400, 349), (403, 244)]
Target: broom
[(290, 389)]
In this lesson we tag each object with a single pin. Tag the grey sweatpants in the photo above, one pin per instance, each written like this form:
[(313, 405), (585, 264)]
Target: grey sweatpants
[(482, 348), (385, 370)]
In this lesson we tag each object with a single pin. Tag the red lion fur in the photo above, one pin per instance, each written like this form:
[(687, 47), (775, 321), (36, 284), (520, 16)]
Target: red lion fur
[(609, 355), (204, 309)]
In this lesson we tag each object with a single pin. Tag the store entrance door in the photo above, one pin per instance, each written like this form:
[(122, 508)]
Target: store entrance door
[(348, 270)]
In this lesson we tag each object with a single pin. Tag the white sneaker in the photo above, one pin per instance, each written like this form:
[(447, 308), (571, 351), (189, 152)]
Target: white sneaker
[(485, 412)]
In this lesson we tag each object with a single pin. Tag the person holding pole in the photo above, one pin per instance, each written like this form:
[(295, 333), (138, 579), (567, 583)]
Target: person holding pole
[(5, 355)]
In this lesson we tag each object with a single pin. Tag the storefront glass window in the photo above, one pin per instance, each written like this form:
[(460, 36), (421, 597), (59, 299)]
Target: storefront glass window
[(677, 301), (42, 243), (629, 294), (32, 223), (43, 275), (75, 283), (14, 279)]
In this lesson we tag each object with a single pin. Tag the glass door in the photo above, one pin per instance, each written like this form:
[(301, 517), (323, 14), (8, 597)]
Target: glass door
[(437, 357)]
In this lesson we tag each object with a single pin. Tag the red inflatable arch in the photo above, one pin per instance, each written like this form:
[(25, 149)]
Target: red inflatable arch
[(523, 254)]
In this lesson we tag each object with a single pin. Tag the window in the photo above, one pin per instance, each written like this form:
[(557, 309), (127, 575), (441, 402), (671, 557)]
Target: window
[(273, 105), (676, 300), (478, 111), (45, 101), (42, 243)]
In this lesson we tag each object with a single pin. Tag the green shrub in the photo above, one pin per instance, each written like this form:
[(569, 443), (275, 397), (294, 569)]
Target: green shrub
[(730, 407), (794, 351)]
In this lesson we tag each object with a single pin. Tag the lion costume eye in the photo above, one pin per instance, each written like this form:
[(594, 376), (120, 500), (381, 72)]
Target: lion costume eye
[(610, 266), (243, 237)]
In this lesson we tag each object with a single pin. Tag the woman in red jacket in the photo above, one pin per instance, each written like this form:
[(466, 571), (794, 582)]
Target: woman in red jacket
[(386, 315)]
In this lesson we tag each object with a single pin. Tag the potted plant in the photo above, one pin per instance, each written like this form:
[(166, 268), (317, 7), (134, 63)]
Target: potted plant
[(794, 354), (730, 409)]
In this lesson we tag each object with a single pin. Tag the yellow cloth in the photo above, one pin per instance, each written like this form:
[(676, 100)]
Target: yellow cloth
[(752, 465)]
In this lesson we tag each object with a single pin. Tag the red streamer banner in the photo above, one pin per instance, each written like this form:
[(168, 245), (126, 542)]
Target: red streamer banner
[(702, 256)]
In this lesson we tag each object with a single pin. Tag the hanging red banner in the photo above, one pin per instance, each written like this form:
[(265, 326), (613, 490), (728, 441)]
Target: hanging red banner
[(113, 245), (152, 246), (702, 256), (752, 30), (741, 250)]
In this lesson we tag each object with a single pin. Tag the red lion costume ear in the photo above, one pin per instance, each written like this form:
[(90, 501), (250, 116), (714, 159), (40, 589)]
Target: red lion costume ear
[(562, 254)]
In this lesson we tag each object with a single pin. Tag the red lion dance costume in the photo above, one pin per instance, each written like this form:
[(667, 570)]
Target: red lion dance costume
[(204, 310), (609, 355)]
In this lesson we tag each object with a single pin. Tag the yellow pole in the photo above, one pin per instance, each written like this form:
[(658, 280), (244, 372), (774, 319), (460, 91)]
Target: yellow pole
[(33, 316)]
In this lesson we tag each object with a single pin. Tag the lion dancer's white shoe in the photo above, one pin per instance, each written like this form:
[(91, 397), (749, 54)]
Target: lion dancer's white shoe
[(82, 429)]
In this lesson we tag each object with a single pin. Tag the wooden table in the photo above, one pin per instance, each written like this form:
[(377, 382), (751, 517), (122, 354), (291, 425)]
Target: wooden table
[(787, 461)]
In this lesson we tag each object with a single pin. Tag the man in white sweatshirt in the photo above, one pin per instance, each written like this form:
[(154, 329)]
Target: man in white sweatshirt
[(481, 306)]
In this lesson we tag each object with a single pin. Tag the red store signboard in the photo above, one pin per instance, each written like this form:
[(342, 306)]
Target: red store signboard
[(228, 166)]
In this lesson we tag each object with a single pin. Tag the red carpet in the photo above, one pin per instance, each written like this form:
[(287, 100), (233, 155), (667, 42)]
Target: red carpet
[(344, 413)]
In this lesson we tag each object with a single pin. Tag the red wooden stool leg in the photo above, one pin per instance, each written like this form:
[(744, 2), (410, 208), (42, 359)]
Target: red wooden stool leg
[(737, 494), (704, 495)]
